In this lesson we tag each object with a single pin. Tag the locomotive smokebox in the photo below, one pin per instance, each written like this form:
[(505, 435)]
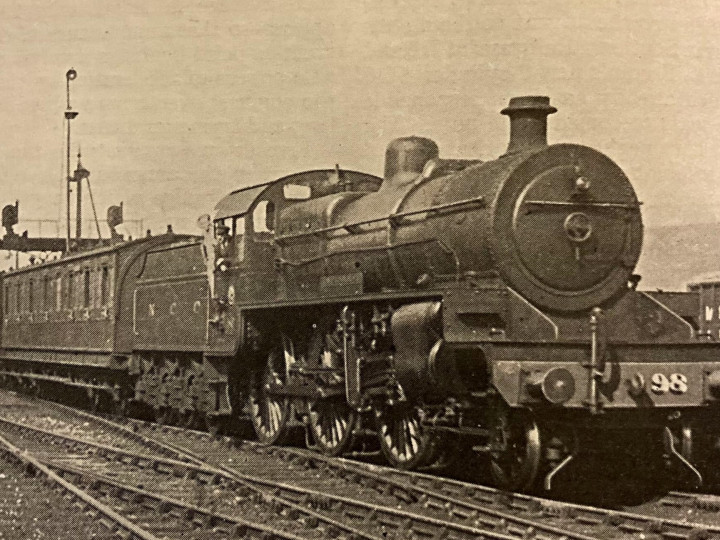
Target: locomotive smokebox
[(409, 155), (528, 122)]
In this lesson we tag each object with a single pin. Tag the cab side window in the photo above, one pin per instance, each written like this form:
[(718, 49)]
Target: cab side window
[(264, 217)]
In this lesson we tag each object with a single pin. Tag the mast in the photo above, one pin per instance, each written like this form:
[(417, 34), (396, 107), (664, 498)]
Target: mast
[(69, 116), (12, 241)]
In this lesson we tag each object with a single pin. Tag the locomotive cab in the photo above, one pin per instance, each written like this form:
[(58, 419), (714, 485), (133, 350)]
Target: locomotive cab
[(247, 221)]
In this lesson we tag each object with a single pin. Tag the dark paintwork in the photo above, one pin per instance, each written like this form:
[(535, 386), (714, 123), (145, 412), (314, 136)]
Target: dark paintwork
[(104, 328), (511, 221), (492, 269), (707, 294)]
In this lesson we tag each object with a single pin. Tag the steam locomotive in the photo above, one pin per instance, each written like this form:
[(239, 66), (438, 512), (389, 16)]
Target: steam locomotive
[(450, 303)]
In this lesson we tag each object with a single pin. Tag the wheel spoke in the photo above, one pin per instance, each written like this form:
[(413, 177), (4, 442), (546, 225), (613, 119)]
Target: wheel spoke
[(269, 413), (516, 464), (403, 440), (332, 421)]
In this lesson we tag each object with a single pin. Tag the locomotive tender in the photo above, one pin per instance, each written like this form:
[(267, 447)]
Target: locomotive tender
[(449, 301)]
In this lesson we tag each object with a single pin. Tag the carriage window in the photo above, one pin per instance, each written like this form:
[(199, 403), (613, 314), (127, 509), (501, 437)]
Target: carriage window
[(70, 293), (18, 298), (6, 301), (86, 288), (296, 192), (31, 295), (77, 300), (58, 293), (104, 285), (46, 292), (264, 217)]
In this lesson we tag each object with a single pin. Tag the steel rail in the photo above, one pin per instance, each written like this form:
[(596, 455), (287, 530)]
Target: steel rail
[(190, 511), (408, 494), (76, 492), (478, 523), (149, 442), (438, 493), (132, 434), (445, 493), (473, 495), (210, 474), (702, 501)]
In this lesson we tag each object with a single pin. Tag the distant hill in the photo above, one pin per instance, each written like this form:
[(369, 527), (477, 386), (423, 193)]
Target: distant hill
[(674, 255)]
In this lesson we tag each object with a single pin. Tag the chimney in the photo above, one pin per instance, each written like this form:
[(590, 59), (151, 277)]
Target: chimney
[(528, 122)]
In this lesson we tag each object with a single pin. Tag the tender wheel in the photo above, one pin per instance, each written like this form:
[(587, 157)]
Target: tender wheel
[(516, 451), (331, 423), (165, 415), (270, 413), (215, 424), (404, 442), (190, 419), (118, 407), (94, 401)]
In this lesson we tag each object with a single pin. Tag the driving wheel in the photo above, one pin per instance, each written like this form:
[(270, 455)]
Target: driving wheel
[(403, 440), (269, 412), (515, 450), (331, 422)]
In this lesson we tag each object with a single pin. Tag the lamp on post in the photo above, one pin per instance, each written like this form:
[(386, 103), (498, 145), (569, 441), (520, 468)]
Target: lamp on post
[(71, 75)]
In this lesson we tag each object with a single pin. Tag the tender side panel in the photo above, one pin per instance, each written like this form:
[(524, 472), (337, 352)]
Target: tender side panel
[(171, 300), (708, 307), (62, 307)]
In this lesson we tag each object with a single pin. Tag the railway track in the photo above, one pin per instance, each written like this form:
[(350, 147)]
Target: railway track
[(113, 520), (461, 499), (138, 483), (98, 467), (345, 498), (371, 516)]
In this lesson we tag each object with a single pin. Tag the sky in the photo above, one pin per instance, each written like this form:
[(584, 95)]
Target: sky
[(183, 101)]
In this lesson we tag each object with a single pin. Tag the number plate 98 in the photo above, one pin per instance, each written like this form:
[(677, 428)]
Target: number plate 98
[(676, 383)]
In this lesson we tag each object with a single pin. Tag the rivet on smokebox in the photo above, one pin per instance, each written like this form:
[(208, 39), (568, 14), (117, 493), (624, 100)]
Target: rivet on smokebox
[(582, 183)]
